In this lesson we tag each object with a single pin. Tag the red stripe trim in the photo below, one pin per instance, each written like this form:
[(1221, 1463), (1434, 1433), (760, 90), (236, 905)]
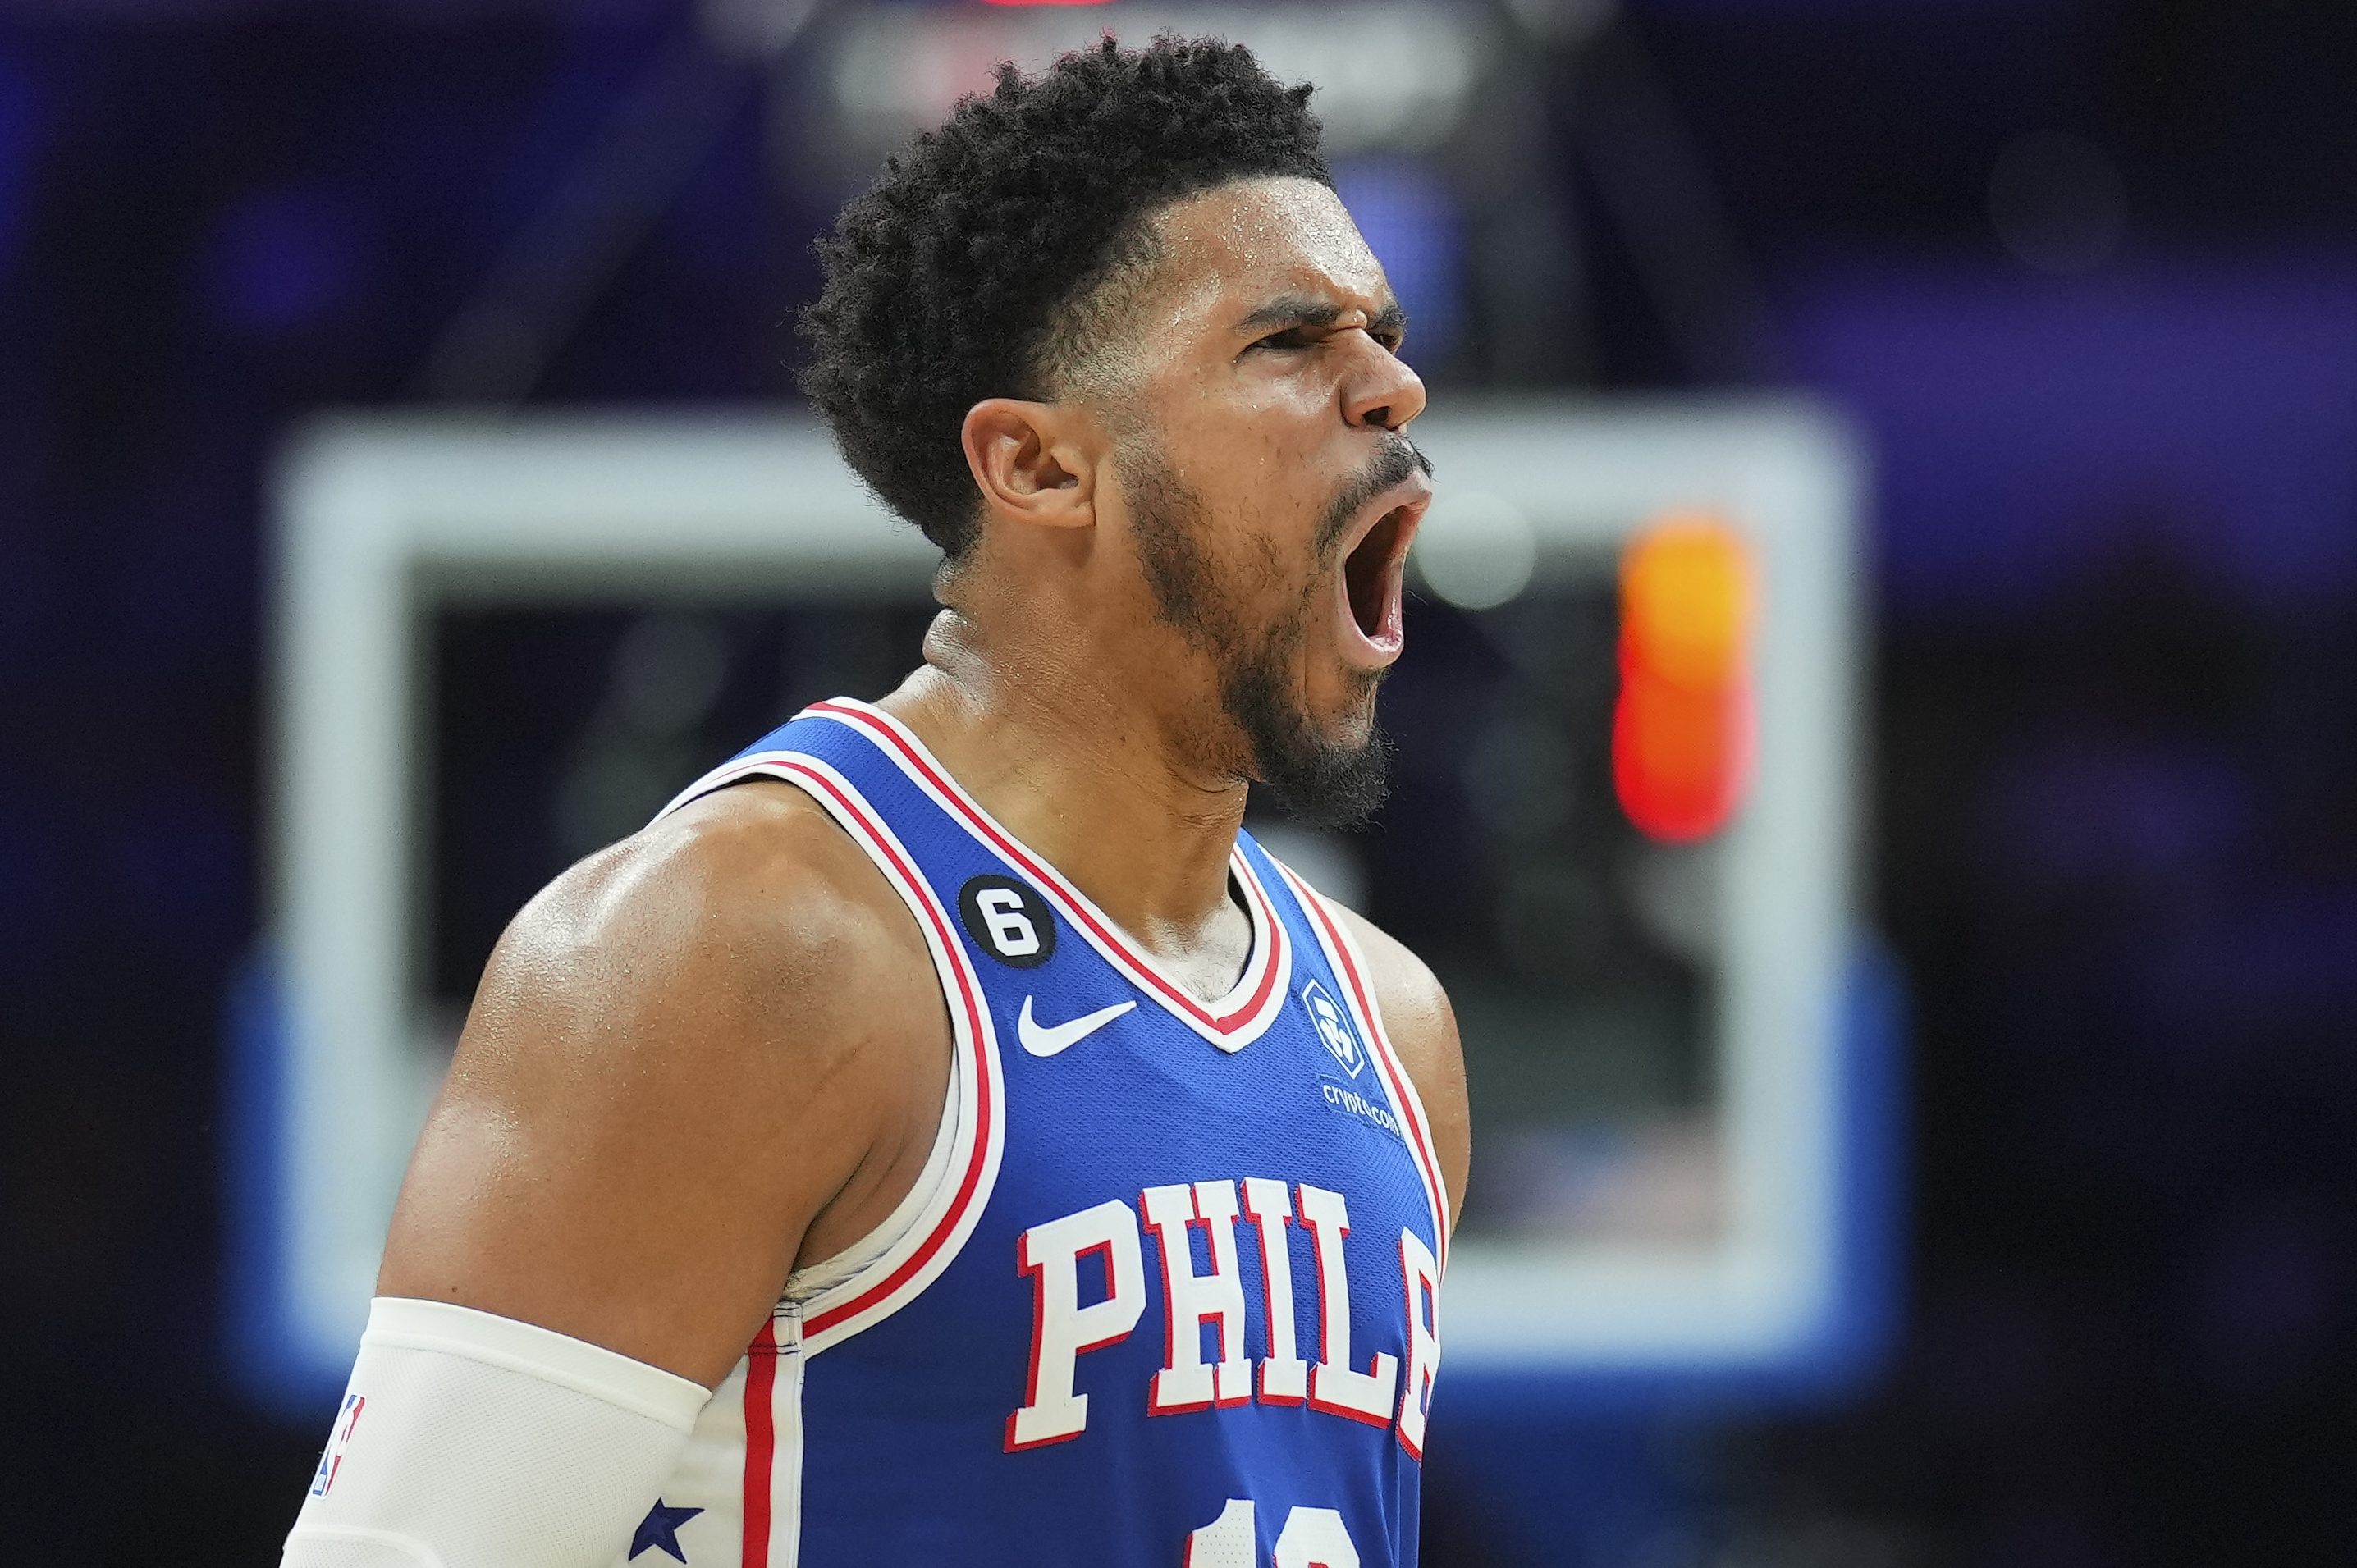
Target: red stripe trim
[(761, 1443), (1077, 906), (1275, 927), (1386, 1062), (985, 1104)]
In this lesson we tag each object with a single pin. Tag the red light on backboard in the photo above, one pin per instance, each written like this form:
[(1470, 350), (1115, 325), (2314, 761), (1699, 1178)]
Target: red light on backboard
[(1683, 729)]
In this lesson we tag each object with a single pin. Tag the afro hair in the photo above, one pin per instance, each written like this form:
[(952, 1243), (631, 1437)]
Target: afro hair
[(967, 272)]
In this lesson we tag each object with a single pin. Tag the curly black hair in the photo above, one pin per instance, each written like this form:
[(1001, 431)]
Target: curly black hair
[(978, 265)]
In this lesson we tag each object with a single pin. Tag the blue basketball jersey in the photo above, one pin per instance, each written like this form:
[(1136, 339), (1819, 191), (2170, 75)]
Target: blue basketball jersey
[(1168, 1292)]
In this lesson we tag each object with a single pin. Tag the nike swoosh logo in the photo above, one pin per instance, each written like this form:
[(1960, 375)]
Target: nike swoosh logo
[(1043, 1041)]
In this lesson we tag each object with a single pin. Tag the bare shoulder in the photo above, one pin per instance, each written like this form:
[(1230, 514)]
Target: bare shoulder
[(692, 1053), (1423, 1029), (743, 899)]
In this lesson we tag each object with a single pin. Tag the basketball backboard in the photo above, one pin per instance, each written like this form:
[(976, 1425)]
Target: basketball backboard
[(501, 643)]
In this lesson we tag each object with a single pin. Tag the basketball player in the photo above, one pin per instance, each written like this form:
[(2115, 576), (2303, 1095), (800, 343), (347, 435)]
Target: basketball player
[(1080, 1180)]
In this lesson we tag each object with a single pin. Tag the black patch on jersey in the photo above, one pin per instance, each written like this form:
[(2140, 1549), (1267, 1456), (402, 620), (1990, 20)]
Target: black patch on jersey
[(1008, 920)]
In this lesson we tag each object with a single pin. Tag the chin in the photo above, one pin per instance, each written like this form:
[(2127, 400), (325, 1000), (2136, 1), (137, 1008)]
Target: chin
[(1315, 745), (1350, 723), (1354, 731)]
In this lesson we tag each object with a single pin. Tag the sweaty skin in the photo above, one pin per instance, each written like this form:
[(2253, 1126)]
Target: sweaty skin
[(717, 1051)]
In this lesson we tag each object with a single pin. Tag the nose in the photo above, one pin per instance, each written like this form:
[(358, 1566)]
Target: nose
[(1383, 394)]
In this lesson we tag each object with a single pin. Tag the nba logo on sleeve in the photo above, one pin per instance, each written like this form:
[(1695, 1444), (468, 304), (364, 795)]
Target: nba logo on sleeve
[(333, 1459), (1341, 1040)]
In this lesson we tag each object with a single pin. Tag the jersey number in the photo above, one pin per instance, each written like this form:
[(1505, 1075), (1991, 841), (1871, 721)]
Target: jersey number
[(1011, 931), (1312, 1538)]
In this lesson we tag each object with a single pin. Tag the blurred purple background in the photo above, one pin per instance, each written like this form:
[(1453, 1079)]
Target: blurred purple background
[(2086, 274)]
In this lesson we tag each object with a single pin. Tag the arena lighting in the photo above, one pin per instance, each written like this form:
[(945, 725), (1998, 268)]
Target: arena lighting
[(1683, 729), (1394, 76)]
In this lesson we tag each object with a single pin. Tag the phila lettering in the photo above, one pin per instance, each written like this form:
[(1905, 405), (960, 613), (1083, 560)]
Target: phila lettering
[(1104, 1245)]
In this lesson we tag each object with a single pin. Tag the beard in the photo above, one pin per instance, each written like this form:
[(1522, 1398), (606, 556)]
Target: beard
[(1304, 774)]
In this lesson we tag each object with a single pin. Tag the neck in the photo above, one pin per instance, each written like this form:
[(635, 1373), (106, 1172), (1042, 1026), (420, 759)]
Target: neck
[(1057, 747)]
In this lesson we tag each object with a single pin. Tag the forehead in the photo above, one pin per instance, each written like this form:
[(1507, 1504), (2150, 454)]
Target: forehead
[(1238, 244)]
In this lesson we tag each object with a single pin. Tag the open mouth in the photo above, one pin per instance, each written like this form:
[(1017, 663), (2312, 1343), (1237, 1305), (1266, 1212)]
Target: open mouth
[(1373, 575), (1367, 572)]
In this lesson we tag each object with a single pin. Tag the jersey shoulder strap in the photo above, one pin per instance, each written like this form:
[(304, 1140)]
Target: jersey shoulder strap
[(907, 836)]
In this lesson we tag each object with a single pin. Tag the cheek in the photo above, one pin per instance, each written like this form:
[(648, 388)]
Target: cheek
[(1260, 516), (1252, 411), (1261, 579), (1261, 473)]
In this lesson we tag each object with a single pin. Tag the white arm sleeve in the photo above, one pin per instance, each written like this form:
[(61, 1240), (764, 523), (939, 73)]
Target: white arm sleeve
[(468, 1440)]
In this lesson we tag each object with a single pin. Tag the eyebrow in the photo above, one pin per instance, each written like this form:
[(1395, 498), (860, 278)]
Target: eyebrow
[(1291, 310)]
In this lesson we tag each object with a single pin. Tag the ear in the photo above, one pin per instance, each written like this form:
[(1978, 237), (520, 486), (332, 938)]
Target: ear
[(1029, 462)]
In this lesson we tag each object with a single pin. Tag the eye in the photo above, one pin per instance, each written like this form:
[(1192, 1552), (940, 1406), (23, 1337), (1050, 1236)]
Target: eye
[(1291, 338)]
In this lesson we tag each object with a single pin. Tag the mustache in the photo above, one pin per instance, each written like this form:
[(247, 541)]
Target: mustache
[(1394, 461)]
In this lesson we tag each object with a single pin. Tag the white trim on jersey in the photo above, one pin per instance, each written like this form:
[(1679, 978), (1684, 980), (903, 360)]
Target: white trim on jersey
[(769, 1502), (940, 1173), (1231, 1022), (1349, 965)]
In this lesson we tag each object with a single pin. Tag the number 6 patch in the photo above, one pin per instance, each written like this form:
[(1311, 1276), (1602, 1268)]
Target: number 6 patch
[(1008, 920)]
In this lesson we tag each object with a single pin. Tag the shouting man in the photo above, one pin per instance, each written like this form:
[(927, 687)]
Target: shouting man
[(944, 1136)]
